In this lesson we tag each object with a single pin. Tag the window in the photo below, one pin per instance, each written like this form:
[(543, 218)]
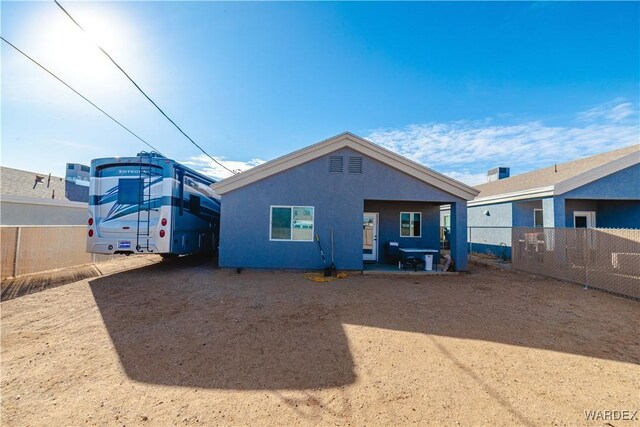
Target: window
[(292, 223), (129, 191), (335, 164), (537, 218), (194, 204), (410, 224), (71, 166), (84, 168)]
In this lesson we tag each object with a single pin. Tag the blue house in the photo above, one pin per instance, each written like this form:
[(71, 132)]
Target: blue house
[(599, 191), (367, 195)]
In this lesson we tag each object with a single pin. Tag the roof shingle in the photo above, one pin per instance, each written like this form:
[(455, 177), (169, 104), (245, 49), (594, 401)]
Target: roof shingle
[(16, 182), (553, 174)]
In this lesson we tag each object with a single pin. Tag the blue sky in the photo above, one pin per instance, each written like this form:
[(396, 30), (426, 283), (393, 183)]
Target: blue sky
[(459, 87)]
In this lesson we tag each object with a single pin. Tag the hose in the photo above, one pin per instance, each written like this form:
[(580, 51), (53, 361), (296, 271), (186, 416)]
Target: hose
[(320, 278)]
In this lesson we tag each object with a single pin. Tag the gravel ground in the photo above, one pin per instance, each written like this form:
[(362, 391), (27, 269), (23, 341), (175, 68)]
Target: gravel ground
[(184, 343)]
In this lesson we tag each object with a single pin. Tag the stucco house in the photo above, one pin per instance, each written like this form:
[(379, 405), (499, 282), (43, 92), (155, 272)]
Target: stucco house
[(599, 191), (30, 198), (367, 195)]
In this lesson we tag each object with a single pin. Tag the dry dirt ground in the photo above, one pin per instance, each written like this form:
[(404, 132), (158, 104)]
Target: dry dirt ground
[(184, 343)]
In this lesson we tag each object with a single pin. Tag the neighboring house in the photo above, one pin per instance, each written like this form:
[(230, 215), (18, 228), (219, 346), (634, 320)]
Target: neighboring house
[(367, 195), (29, 198), (599, 191)]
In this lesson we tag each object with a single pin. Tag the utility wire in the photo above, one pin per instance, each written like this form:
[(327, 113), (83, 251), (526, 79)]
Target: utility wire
[(79, 94), (142, 91)]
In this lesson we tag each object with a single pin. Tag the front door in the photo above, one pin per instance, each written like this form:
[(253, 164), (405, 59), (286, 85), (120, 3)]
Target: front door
[(584, 219), (370, 236)]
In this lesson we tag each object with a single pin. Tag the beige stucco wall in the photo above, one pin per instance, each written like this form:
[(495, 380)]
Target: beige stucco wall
[(25, 211)]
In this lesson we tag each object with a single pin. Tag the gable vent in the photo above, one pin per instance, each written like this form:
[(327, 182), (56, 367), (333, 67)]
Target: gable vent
[(355, 164), (335, 164)]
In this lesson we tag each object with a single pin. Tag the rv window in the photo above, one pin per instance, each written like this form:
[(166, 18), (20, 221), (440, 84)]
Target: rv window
[(129, 191), (194, 204)]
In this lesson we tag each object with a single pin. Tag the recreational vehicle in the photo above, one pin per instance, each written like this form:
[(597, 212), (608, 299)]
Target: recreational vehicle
[(150, 204)]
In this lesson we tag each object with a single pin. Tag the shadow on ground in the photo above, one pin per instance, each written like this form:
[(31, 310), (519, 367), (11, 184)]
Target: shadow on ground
[(24, 285), (188, 323)]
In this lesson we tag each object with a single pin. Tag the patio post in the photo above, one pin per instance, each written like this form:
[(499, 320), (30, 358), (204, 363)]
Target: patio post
[(458, 237)]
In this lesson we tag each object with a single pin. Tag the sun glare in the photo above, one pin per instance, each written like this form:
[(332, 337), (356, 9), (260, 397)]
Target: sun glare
[(73, 53)]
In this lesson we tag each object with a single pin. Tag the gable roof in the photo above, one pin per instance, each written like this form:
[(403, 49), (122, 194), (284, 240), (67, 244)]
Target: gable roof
[(16, 182), (558, 179), (346, 140)]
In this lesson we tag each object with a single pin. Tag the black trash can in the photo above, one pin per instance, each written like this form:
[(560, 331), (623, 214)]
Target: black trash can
[(392, 253)]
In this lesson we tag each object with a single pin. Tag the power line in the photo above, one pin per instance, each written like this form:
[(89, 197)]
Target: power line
[(142, 91), (79, 94)]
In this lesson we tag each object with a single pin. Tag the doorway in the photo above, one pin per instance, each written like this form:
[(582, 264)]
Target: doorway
[(584, 219), (370, 236)]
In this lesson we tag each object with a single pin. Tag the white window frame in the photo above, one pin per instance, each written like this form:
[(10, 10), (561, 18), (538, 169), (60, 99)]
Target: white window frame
[(534, 218), (313, 223), (411, 214)]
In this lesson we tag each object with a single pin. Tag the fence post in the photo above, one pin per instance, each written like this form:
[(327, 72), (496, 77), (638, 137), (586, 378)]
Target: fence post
[(586, 238), (15, 258)]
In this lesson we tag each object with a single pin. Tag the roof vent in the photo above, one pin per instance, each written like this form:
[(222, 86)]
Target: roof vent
[(335, 164), (496, 174), (355, 164)]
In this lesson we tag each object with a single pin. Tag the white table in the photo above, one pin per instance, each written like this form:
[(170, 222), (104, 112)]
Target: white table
[(407, 251)]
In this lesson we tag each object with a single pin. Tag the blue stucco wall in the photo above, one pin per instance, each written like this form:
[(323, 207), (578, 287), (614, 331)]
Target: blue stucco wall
[(489, 233), (339, 201), (500, 215), (618, 214), (614, 198), (523, 212), (458, 238), (622, 185)]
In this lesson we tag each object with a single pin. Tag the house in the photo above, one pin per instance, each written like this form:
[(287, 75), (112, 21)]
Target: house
[(367, 195), (599, 191), (30, 198)]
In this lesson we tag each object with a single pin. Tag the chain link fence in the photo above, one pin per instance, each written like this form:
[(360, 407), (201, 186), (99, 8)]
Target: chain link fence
[(28, 249), (606, 259)]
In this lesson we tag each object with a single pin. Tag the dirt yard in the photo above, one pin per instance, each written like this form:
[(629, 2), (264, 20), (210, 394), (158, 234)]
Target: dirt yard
[(183, 343)]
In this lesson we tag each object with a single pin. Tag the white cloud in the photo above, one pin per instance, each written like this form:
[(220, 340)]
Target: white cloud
[(467, 177), (614, 111), (208, 167), (467, 149)]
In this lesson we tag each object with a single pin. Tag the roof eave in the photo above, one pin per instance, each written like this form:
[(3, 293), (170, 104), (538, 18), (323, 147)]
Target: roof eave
[(532, 193), (596, 173)]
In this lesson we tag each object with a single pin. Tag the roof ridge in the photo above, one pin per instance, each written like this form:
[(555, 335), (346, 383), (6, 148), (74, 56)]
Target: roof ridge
[(623, 151), (358, 143)]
